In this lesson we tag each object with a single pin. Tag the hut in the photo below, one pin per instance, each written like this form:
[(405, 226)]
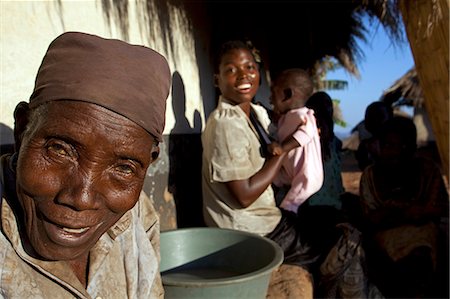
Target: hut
[(407, 91)]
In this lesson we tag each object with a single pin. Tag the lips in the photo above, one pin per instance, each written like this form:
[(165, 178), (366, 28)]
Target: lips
[(75, 230), (64, 235), (244, 86)]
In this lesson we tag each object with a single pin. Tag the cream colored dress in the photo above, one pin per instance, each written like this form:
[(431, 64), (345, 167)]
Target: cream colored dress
[(231, 151)]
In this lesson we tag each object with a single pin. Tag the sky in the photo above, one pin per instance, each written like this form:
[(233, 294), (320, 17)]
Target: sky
[(382, 65)]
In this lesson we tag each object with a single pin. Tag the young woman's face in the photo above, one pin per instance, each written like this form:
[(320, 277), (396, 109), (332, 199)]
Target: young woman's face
[(80, 168), (238, 78)]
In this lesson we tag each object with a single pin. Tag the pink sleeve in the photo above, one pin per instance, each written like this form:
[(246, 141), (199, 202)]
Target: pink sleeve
[(307, 131)]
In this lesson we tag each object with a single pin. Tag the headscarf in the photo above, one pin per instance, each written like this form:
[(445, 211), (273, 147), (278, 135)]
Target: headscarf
[(131, 80)]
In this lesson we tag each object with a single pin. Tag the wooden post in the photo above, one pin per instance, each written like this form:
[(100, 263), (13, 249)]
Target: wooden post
[(427, 28)]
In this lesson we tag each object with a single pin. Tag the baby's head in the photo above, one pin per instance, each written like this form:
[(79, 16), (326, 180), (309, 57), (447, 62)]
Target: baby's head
[(291, 89), (236, 72)]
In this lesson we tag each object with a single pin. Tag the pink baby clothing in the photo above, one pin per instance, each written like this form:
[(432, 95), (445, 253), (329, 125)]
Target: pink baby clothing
[(302, 168)]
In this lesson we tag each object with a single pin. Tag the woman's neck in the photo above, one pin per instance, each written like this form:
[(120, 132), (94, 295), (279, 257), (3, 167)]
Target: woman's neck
[(246, 107), (80, 268)]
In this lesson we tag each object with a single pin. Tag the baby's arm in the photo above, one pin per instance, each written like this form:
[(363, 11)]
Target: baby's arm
[(302, 120), (276, 149)]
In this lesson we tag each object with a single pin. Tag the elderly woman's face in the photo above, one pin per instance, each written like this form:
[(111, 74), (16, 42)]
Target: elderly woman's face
[(80, 168)]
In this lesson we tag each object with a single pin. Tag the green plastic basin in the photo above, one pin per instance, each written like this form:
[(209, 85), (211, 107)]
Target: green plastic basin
[(217, 263)]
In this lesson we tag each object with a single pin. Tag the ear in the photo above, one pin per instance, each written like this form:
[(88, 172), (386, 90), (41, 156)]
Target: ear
[(155, 152), (287, 94), (216, 80), (21, 119)]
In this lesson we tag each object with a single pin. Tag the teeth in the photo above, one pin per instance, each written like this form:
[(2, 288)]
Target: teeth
[(244, 86), (75, 230)]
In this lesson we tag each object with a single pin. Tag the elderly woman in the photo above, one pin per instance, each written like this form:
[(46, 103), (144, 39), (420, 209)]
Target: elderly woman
[(72, 220)]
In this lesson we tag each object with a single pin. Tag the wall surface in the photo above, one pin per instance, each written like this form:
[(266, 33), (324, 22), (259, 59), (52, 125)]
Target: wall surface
[(27, 28)]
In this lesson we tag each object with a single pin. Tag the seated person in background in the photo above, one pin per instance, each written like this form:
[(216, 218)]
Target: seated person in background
[(376, 114), (404, 200), (332, 189), (302, 171), (71, 215)]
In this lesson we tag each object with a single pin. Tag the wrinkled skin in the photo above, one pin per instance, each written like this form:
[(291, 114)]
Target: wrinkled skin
[(80, 168)]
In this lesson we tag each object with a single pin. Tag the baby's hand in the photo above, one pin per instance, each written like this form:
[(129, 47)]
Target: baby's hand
[(303, 120), (275, 149)]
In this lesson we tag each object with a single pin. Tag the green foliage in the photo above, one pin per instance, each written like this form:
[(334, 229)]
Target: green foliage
[(337, 114), (334, 84)]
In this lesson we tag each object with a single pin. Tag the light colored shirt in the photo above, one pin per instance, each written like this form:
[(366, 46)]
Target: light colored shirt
[(302, 168), (124, 263), (231, 151)]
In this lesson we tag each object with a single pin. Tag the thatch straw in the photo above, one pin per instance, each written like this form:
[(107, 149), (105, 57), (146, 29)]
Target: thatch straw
[(405, 91)]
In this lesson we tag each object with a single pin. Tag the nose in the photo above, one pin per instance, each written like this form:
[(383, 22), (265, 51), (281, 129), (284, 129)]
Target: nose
[(242, 72), (81, 191)]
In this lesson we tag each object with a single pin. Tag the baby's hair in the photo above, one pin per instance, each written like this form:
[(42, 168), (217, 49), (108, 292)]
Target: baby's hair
[(300, 79), (227, 47)]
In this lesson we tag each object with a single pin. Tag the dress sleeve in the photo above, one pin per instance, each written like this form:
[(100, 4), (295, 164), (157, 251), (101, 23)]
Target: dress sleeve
[(230, 158)]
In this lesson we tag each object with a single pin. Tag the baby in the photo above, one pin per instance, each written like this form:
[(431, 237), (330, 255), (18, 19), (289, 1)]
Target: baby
[(302, 171)]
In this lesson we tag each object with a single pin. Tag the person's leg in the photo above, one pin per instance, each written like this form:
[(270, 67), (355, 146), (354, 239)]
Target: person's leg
[(294, 240), (414, 274), (293, 279)]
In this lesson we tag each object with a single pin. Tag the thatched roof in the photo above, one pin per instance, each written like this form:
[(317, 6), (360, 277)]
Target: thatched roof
[(405, 91), (289, 33), (299, 33)]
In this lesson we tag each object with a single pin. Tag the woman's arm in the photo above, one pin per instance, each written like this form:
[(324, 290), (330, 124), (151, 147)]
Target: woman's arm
[(248, 190)]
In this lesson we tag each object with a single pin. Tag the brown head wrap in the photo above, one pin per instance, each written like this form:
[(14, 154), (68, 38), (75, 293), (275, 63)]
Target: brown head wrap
[(130, 80)]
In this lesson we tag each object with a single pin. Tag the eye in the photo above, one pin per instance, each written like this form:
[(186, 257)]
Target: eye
[(230, 70), (59, 149), (251, 67), (125, 168)]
